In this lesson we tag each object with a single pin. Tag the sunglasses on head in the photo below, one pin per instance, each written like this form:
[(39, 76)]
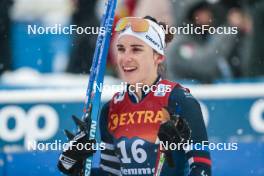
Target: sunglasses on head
[(136, 24)]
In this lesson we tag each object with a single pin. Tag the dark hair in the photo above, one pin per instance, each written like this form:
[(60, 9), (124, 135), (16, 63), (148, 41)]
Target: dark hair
[(162, 67)]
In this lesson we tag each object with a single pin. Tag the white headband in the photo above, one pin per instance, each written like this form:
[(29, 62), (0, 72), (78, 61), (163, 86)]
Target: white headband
[(154, 37)]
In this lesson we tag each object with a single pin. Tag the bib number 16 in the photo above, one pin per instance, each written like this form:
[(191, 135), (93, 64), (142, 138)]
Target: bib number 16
[(138, 153)]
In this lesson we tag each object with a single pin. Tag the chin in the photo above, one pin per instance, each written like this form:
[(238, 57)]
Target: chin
[(131, 81)]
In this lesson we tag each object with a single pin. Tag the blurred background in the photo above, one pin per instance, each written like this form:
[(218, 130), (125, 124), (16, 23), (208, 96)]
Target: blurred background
[(43, 77)]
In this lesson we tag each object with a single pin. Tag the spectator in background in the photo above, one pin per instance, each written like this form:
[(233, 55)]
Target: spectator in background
[(238, 15), (83, 45), (5, 51), (206, 57), (255, 64)]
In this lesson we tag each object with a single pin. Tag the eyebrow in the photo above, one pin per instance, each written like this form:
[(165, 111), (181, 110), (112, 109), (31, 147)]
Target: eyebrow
[(133, 45)]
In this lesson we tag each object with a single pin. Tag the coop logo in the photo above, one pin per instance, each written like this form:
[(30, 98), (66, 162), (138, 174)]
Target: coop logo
[(26, 123), (256, 116)]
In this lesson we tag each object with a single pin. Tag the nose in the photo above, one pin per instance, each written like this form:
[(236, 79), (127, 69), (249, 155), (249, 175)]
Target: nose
[(126, 56)]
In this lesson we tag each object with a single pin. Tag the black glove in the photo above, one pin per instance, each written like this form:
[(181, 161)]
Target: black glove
[(79, 148), (176, 130)]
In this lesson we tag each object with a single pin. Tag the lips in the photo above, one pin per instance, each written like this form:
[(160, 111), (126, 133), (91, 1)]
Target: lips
[(129, 68)]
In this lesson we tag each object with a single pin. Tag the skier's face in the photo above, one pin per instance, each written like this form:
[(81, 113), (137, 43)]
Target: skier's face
[(137, 62)]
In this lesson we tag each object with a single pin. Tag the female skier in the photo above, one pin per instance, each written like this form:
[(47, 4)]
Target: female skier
[(150, 117)]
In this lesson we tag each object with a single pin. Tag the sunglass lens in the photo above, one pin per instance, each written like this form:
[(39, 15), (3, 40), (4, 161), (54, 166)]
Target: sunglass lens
[(140, 25), (121, 25)]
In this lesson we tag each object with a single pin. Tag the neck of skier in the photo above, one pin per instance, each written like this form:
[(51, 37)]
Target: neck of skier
[(148, 82)]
